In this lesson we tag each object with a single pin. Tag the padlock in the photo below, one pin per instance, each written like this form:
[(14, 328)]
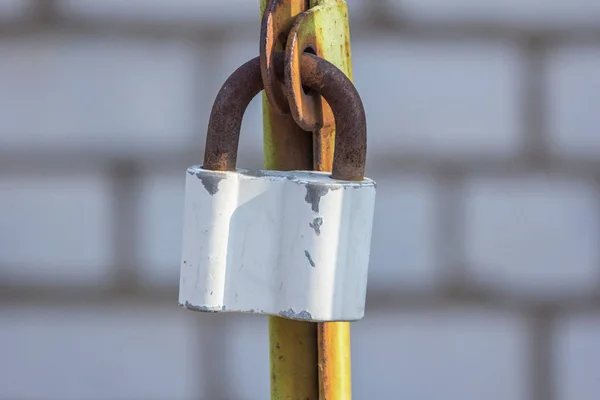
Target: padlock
[(293, 244)]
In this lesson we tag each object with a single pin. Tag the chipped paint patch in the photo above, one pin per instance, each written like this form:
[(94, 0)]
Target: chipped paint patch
[(314, 194), (303, 315), (210, 182), (316, 225), (310, 260), (257, 173), (190, 306)]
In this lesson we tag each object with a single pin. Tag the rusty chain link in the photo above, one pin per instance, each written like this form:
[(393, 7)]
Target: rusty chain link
[(284, 27)]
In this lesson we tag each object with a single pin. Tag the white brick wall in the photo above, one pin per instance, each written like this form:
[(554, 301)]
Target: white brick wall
[(578, 357), (454, 354), (197, 11), (444, 99), (54, 230), (536, 13), (65, 92), (203, 11), (110, 353), (402, 247), (573, 80), (161, 227), (533, 235)]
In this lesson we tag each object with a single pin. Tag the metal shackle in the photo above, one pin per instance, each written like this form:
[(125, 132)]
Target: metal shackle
[(245, 83)]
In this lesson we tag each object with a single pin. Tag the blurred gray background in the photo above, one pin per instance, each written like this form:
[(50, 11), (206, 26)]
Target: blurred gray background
[(484, 124)]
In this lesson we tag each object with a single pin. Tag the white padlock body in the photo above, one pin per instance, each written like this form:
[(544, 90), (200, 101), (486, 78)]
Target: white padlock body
[(293, 244)]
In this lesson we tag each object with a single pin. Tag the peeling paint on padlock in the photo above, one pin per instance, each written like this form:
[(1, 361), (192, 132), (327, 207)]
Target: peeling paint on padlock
[(316, 224), (210, 183), (190, 306), (314, 194), (310, 260), (294, 244), (302, 315), (256, 245)]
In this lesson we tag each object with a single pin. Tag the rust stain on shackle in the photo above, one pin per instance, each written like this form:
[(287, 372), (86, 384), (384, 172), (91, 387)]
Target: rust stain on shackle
[(321, 76)]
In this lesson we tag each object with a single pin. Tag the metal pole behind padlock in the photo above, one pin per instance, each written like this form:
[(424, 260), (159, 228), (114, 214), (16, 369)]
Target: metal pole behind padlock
[(293, 244)]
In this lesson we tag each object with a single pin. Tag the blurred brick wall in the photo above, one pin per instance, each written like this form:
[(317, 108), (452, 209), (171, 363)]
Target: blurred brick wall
[(484, 138)]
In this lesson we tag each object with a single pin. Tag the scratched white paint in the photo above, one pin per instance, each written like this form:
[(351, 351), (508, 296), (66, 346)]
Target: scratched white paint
[(293, 244)]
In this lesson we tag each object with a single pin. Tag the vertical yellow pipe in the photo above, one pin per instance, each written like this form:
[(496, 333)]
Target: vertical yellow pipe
[(292, 344), (310, 361), (293, 357)]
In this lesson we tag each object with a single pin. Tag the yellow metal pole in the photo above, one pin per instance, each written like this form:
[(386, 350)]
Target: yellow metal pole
[(310, 361), (293, 344)]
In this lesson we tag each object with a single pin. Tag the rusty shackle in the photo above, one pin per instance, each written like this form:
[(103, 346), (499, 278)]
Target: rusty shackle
[(318, 74)]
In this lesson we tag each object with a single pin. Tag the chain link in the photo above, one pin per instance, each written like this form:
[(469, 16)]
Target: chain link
[(282, 29)]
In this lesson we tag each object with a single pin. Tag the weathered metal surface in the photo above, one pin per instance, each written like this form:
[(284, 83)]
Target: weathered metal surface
[(318, 74), (278, 17), (293, 244)]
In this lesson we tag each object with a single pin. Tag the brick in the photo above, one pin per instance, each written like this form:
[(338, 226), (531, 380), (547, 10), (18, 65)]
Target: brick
[(526, 13), (534, 236), (125, 96), (81, 353), (573, 80), (161, 227), (448, 99), (577, 357), (54, 230), (402, 253), (462, 353), (207, 11)]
